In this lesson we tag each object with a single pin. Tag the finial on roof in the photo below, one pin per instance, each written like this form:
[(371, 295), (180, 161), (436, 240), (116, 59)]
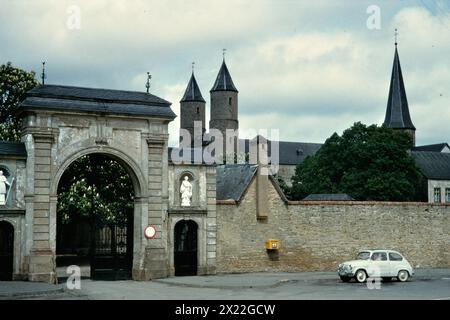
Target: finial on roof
[(224, 51), (193, 67), (43, 75), (395, 35), (149, 76)]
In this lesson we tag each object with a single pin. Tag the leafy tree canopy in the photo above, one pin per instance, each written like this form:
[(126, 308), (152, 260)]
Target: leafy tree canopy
[(98, 188), (14, 83), (366, 162)]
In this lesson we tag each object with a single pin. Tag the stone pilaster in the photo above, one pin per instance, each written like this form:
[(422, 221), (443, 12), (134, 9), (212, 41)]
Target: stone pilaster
[(211, 224), (42, 257), (156, 249)]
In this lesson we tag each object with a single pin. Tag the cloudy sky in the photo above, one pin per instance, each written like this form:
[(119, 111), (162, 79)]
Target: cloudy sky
[(307, 68)]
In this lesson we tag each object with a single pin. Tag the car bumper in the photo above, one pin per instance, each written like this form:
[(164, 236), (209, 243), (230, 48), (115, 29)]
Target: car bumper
[(345, 272)]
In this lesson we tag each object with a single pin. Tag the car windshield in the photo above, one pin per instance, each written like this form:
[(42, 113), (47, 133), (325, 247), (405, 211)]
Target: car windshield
[(363, 255)]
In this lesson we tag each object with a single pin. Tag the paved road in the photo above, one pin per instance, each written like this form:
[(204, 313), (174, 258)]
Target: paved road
[(428, 284)]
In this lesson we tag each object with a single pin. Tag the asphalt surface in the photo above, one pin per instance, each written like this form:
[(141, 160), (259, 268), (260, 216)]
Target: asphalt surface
[(427, 284)]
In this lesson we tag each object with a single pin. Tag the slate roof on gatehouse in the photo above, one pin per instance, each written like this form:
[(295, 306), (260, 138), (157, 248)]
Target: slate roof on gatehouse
[(56, 97)]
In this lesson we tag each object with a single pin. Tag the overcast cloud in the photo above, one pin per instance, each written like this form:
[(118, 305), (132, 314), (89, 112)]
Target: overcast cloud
[(308, 68)]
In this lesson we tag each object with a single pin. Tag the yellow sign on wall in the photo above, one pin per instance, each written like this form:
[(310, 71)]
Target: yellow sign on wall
[(273, 244)]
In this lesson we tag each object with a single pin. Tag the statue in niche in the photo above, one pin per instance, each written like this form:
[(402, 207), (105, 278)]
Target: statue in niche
[(186, 192), (3, 183)]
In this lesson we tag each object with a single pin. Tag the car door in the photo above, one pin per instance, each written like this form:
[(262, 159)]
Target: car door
[(379, 264), (396, 263)]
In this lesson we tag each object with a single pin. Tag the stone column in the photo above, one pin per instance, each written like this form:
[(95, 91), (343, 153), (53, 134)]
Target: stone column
[(211, 220), (42, 256), (156, 265)]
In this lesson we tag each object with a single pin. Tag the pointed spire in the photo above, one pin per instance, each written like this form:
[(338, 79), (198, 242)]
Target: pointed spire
[(397, 112), (192, 92), (223, 80)]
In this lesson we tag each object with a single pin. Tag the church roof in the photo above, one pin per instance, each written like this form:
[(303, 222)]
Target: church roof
[(223, 80), (438, 147), (56, 97), (13, 149), (192, 92), (397, 112), (433, 165)]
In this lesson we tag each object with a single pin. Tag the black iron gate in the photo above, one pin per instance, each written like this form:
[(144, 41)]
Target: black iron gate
[(185, 248), (6, 251), (112, 252), (106, 248)]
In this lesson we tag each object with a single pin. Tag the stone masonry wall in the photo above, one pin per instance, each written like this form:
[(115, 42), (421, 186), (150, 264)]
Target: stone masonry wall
[(318, 236)]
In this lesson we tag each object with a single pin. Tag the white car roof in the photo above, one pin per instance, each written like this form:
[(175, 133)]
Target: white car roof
[(373, 250)]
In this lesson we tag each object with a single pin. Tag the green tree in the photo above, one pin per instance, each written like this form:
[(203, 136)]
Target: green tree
[(14, 83), (366, 162), (95, 187)]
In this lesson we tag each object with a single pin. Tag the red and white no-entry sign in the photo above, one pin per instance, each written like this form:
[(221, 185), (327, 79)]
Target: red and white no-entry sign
[(150, 232)]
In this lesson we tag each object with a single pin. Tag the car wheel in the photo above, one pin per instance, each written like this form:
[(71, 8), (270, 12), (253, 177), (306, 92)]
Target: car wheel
[(403, 276), (345, 279), (387, 279), (361, 276)]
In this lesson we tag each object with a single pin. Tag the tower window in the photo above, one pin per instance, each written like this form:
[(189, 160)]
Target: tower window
[(229, 101), (198, 110)]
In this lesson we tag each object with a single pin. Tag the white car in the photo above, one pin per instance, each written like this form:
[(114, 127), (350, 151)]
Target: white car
[(384, 264)]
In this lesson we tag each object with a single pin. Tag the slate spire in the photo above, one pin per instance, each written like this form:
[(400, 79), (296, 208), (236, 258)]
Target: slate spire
[(397, 112), (192, 92), (223, 80)]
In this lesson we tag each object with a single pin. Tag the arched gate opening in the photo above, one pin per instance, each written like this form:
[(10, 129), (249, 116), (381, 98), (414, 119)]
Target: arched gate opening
[(95, 218)]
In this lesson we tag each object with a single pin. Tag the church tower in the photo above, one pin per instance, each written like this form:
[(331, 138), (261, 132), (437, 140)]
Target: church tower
[(224, 107), (397, 112), (192, 109)]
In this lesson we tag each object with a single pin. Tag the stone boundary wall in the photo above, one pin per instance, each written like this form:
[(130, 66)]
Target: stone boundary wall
[(320, 235)]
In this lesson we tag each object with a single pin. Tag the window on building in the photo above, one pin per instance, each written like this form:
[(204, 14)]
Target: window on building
[(447, 195), (198, 110), (437, 194), (229, 101)]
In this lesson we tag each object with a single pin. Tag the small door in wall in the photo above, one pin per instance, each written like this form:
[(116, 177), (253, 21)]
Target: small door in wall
[(6, 251), (185, 248)]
